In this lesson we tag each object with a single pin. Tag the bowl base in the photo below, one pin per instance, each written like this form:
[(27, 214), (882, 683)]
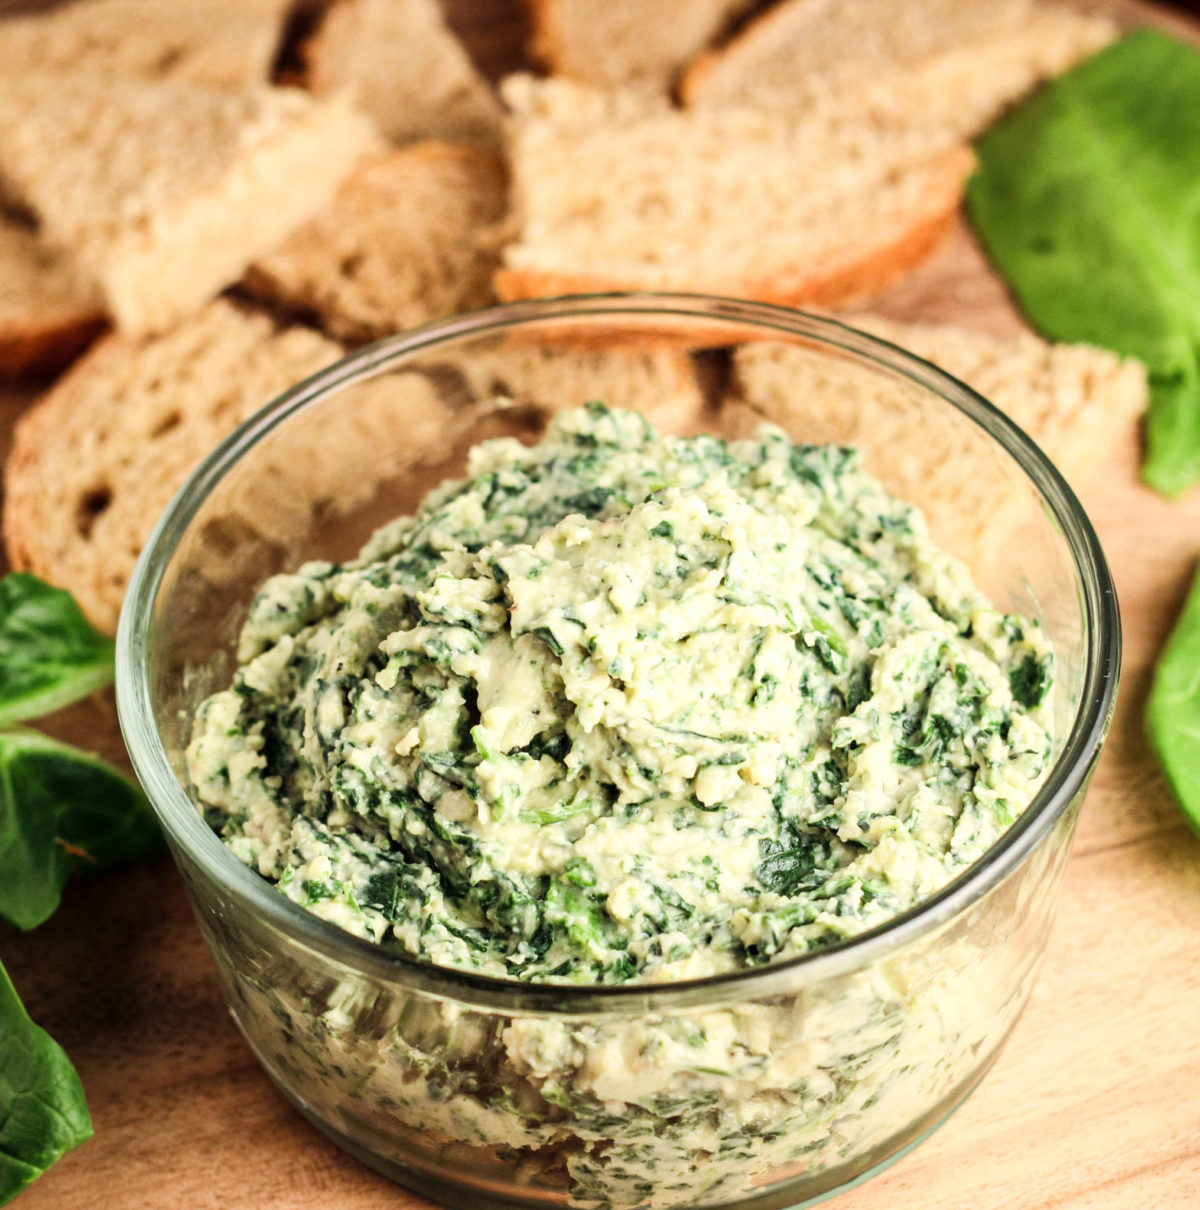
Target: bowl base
[(458, 1195)]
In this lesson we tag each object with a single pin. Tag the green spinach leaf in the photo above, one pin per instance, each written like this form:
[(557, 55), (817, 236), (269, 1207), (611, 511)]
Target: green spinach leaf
[(786, 863), (1173, 710), (49, 653), (62, 810), (43, 1113), (1087, 200)]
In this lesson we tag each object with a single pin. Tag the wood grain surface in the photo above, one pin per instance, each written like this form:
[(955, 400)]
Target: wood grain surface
[(1093, 1105)]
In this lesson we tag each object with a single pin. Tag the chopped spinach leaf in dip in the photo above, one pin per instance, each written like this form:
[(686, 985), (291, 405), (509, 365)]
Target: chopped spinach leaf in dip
[(622, 706)]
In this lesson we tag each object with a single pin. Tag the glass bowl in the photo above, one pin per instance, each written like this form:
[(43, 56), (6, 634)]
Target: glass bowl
[(766, 1088)]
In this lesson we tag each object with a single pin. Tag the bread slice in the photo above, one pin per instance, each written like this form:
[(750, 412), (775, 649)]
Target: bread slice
[(48, 311), (410, 236), (407, 71), (632, 43), (660, 383), (951, 63), (163, 192), (1077, 402), (98, 458), (613, 191), (228, 44)]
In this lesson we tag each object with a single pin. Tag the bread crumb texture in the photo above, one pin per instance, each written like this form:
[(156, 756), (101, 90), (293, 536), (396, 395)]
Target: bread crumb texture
[(406, 69), (98, 458), (164, 192), (639, 45), (48, 310), (227, 44), (409, 237), (614, 190), (952, 64), (1076, 401)]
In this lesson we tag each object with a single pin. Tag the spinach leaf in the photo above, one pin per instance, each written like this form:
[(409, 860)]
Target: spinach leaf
[(49, 653), (787, 862), (43, 1113), (1173, 710), (1086, 200), (62, 810), (1031, 679)]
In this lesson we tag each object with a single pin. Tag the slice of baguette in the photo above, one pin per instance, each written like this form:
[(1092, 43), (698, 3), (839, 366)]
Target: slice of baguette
[(162, 192), (408, 237), (407, 71), (636, 43), (48, 311), (949, 63), (1077, 402), (98, 458), (228, 44), (612, 191)]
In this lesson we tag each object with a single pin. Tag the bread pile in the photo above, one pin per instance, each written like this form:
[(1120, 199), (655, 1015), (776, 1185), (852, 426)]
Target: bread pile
[(235, 233)]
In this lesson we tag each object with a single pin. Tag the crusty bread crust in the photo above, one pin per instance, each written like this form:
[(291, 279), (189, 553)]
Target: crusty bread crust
[(864, 270), (48, 309), (691, 82), (46, 343), (545, 32)]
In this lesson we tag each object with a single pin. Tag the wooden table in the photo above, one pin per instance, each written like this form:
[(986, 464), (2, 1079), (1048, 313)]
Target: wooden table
[(1094, 1104)]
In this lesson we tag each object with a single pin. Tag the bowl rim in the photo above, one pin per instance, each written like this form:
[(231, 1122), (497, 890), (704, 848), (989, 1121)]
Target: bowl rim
[(191, 838)]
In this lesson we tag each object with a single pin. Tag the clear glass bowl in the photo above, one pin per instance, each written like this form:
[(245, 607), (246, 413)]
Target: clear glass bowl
[(765, 1088)]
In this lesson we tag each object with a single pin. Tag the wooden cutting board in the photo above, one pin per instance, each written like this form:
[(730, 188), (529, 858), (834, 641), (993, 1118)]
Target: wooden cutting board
[(1093, 1105)]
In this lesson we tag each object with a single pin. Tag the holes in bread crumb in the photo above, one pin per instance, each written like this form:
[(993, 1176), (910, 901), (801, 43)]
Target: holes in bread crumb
[(92, 504), (169, 60), (171, 420)]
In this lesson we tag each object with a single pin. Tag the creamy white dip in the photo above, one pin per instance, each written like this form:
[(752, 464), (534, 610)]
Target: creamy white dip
[(624, 707)]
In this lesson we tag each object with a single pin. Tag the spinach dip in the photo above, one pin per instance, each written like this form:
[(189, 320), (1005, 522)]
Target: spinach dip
[(626, 707)]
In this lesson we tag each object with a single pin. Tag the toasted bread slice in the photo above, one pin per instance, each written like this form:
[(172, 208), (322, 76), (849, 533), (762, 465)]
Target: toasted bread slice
[(612, 191), (410, 236), (948, 63), (407, 70), (48, 311), (227, 44), (632, 43), (163, 193)]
